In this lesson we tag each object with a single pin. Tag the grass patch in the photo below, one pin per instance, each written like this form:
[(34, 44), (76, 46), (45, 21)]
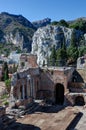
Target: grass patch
[(4, 96)]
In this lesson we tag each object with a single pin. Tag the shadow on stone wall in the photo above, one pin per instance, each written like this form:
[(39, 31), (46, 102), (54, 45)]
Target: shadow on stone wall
[(77, 77)]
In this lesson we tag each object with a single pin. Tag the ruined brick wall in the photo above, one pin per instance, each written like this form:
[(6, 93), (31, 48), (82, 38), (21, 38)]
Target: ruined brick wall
[(49, 78), (46, 85), (25, 83), (71, 97), (42, 82), (32, 60), (16, 90), (28, 61), (77, 87)]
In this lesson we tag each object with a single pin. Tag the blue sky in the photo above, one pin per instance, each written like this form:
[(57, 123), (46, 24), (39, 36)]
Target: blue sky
[(40, 9)]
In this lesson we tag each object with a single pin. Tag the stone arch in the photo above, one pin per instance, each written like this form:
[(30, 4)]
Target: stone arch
[(79, 101), (59, 94)]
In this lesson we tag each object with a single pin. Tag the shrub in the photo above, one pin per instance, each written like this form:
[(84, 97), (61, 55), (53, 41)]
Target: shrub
[(6, 103), (8, 85)]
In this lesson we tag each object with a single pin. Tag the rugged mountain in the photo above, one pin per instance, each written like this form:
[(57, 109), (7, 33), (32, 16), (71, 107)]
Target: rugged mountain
[(41, 23), (76, 20), (45, 38), (17, 30), (38, 37)]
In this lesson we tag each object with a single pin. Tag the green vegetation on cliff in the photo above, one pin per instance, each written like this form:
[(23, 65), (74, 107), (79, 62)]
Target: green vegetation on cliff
[(16, 28)]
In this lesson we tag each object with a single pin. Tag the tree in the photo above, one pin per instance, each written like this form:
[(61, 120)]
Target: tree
[(5, 71), (53, 56), (62, 22), (73, 39), (82, 51), (8, 85), (14, 68), (54, 23), (72, 51), (61, 54), (72, 54), (79, 24), (81, 41)]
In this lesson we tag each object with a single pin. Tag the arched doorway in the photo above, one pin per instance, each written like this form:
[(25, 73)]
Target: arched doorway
[(59, 94), (79, 100)]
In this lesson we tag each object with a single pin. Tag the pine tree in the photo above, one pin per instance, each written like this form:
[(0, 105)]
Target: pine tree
[(53, 56), (62, 54), (6, 75), (73, 39), (73, 49), (14, 68), (82, 51), (5, 71)]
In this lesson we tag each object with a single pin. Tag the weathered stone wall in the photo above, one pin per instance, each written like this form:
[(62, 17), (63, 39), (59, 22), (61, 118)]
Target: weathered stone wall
[(71, 97), (49, 77), (32, 82), (77, 87), (39, 83), (27, 61), (24, 86), (32, 61)]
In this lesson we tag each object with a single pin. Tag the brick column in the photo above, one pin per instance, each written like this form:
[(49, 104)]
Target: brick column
[(23, 91), (29, 85), (12, 98), (19, 93)]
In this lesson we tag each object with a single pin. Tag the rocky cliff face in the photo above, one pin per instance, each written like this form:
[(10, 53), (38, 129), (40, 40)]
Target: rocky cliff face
[(17, 30), (15, 39), (44, 39), (19, 40)]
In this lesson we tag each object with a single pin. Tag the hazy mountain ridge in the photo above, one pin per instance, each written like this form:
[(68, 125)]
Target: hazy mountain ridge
[(42, 23)]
